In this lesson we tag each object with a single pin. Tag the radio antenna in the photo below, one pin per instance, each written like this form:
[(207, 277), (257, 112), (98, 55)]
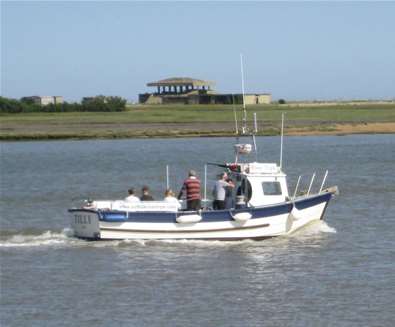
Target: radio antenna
[(235, 114), (244, 120), (282, 139)]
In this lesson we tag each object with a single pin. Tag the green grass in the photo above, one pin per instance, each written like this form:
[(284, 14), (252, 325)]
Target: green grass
[(217, 113), (107, 124)]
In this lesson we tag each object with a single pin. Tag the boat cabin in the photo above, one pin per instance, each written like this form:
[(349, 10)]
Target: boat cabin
[(258, 184)]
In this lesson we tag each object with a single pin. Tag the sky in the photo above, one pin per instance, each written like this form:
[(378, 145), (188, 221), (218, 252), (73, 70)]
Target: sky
[(293, 50)]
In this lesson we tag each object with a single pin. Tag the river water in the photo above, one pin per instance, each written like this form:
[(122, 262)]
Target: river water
[(335, 273)]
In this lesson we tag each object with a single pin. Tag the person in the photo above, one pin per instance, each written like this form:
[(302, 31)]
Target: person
[(229, 194), (191, 187), (219, 191), (146, 196), (131, 197), (169, 197)]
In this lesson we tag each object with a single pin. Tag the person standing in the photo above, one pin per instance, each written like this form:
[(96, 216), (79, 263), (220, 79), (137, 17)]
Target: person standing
[(229, 194), (191, 188), (131, 197), (219, 191)]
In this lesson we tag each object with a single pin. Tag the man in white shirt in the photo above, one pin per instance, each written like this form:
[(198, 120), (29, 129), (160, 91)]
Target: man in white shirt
[(219, 191), (132, 197)]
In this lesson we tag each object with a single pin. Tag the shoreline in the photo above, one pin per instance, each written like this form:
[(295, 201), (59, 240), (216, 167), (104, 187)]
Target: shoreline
[(178, 130)]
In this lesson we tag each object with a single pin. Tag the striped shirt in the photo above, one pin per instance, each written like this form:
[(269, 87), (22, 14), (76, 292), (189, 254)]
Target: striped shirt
[(191, 187)]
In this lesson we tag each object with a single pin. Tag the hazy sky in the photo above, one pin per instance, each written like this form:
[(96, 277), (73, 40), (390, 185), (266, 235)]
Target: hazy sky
[(294, 50)]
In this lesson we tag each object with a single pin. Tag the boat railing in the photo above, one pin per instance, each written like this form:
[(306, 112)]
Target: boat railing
[(310, 184), (323, 181)]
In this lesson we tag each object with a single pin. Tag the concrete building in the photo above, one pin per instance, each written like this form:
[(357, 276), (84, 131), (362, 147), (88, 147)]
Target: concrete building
[(44, 100), (185, 90)]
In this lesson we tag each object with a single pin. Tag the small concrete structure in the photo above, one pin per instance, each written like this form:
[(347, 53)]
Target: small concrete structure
[(176, 90), (180, 85), (186, 90), (44, 100)]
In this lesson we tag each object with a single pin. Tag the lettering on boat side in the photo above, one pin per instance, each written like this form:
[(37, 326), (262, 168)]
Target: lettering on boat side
[(82, 219)]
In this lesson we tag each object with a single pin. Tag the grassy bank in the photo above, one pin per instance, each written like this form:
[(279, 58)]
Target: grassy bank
[(200, 120)]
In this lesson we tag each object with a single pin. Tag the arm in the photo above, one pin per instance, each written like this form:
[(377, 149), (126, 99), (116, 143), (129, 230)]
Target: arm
[(183, 188)]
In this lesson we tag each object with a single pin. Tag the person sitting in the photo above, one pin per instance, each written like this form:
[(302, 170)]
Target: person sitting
[(219, 191), (191, 187), (132, 197), (169, 197), (146, 196)]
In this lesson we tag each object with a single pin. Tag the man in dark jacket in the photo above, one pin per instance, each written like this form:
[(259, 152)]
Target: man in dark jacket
[(145, 194)]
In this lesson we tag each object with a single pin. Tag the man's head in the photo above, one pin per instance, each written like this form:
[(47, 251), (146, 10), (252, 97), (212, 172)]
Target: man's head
[(145, 189), (224, 175), (192, 173), (131, 191)]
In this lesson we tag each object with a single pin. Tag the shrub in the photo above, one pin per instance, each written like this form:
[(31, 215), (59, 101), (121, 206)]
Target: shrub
[(99, 103)]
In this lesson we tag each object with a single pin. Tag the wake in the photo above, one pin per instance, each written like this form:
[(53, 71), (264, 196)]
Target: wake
[(64, 238), (29, 239)]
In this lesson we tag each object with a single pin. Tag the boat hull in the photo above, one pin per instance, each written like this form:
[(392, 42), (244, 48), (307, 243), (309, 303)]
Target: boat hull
[(257, 223)]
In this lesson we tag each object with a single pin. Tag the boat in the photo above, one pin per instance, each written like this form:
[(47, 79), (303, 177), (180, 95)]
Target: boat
[(262, 206), (262, 209)]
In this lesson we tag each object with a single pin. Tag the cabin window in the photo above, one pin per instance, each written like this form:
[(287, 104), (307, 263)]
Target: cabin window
[(271, 188)]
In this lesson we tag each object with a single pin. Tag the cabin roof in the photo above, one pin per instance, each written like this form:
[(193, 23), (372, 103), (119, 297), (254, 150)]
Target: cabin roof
[(177, 81)]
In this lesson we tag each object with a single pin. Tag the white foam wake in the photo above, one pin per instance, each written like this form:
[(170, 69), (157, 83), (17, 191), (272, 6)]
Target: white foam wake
[(315, 228), (325, 228), (47, 238)]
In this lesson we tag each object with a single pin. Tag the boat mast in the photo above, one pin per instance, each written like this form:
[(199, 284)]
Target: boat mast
[(282, 140), (244, 128), (235, 114)]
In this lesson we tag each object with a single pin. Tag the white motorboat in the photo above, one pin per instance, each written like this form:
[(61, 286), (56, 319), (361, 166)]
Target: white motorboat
[(262, 209)]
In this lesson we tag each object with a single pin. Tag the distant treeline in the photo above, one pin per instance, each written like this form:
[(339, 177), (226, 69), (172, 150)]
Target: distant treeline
[(98, 103)]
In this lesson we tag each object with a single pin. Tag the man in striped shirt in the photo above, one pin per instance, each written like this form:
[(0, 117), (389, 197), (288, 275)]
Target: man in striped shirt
[(191, 188)]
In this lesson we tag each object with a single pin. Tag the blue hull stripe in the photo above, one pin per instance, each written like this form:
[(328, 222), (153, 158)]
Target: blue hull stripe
[(208, 216), (310, 202)]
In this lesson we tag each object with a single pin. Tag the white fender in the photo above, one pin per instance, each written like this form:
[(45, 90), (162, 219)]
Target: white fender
[(242, 216), (188, 219)]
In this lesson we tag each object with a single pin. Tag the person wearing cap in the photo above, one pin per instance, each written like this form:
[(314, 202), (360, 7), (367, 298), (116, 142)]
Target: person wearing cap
[(146, 196), (132, 197), (220, 190), (191, 188)]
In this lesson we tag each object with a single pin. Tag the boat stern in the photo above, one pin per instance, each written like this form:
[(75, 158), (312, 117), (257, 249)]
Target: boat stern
[(85, 223)]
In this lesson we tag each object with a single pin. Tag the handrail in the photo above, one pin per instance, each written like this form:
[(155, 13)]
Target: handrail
[(311, 184), (323, 181), (167, 177), (205, 182), (296, 188)]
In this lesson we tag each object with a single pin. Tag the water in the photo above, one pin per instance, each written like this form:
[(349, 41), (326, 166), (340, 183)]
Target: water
[(338, 273)]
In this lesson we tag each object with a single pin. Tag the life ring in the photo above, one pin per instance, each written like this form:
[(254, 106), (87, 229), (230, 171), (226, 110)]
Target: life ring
[(188, 219), (241, 216)]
